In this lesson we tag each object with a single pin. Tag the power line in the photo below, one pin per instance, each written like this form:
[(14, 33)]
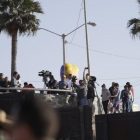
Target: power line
[(77, 21), (106, 53)]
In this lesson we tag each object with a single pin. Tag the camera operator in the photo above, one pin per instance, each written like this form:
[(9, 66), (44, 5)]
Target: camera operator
[(86, 77), (82, 93), (69, 81), (52, 84)]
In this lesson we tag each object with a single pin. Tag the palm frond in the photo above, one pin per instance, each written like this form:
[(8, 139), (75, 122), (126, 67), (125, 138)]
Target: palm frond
[(134, 25)]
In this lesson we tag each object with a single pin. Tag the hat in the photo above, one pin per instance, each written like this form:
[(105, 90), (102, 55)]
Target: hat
[(6, 121)]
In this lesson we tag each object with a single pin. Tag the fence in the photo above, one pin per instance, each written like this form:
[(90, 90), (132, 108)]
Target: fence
[(76, 122), (118, 126)]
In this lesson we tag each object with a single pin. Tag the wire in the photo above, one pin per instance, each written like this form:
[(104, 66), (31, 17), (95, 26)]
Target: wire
[(77, 21), (106, 53)]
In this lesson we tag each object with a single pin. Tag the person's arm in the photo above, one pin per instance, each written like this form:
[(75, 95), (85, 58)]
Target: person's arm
[(84, 74), (108, 94)]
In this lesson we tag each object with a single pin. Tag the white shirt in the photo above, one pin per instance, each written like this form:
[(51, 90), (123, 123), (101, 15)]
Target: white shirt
[(131, 95), (69, 83)]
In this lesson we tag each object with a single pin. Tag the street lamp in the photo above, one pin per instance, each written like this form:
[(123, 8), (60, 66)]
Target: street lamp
[(64, 37)]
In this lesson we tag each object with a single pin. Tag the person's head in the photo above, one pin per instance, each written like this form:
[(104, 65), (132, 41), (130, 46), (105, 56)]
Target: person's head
[(63, 78), (51, 77), (113, 84), (1, 75), (15, 74), (6, 79), (103, 86), (81, 82), (18, 76), (87, 76), (25, 84), (126, 87), (128, 83), (70, 76), (35, 120), (116, 85), (129, 87)]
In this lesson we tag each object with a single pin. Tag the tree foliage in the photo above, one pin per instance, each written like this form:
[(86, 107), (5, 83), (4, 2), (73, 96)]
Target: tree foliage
[(134, 25), (19, 14)]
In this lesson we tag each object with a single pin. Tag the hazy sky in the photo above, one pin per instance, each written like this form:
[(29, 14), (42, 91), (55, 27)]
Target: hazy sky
[(44, 51)]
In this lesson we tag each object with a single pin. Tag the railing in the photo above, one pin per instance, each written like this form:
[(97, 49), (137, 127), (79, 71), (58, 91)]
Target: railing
[(36, 89)]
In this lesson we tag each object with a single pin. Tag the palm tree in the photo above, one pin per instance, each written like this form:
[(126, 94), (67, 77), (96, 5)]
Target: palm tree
[(134, 24), (17, 16)]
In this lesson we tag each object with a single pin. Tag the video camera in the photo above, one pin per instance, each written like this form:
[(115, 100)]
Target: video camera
[(45, 74), (74, 78)]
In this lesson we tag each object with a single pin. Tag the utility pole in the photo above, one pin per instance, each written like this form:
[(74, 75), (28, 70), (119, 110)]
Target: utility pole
[(87, 45), (64, 51)]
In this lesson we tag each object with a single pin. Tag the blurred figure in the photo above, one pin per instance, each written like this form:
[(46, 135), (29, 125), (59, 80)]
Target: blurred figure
[(1, 77), (90, 94), (81, 93), (86, 77), (111, 89), (69, 81), (7, 84), (18, 80), (6, 126), (105, 97), (1, 81), (125, 98), (14, 81), (63, 83), (116, 99), (53, 84), (25, 86), (132, 89), (35, 120), (131, 99)]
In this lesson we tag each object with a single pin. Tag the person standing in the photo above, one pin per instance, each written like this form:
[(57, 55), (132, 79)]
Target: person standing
[(131, 99), (125, 98), (81, 93), (111, 89), (69, 81), (19, 82), (90, 95), (105, 97), (1, 81), (116, 99), (132, 89), (14, 82)]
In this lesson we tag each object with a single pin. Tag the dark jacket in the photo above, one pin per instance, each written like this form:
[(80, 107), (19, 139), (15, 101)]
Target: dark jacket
[(111, 89), (90, 93), (52, 85)]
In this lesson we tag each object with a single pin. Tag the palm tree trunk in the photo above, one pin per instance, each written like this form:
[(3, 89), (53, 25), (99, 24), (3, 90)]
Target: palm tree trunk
[(14, 51)]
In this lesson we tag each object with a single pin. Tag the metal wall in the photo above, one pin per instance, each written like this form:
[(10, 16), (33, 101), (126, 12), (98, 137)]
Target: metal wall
[(124, 126), (75, 122)]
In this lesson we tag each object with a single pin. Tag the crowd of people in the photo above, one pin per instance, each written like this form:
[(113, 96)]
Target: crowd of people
[(112, 98), (85, 91), (15, 82)]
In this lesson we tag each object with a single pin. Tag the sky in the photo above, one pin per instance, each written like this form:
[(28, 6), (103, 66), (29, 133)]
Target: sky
[(111, 35)]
